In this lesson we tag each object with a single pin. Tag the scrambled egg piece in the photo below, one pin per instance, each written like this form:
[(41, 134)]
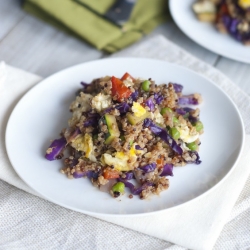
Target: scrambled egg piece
[(120, 161), (185, 134), (101, 101), (85, 144), (128, 82), (138, 109), (157, 117), (184, 147), (244, 4), (81, 104)]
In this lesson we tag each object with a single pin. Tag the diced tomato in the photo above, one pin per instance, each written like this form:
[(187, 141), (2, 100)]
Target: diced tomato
[(160, 162), (126, 76), (119, 89), (110, 174)]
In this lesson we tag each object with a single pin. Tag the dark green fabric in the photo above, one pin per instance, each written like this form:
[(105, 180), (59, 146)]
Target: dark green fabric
[(84, 18)]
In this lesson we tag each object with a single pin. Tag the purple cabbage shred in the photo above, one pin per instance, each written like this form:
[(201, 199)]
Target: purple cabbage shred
[(134, 95), (84, 85), (133, 189), (158, 98), (79, 174), (188, 100), (148, 168), (137, 147), (186, 113), (90, 174), (197, 160), (178, 87), (55, 149), (129, 176), (123, 107), (92, 119), (163, 134), (167, 170), (149, 102)]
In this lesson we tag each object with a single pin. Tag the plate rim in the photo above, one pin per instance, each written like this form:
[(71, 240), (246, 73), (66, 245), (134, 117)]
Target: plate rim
[(7, 132), (221, 53)]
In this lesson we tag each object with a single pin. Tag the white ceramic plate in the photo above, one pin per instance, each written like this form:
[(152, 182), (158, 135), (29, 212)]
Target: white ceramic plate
[(43, 112), (206, 34)]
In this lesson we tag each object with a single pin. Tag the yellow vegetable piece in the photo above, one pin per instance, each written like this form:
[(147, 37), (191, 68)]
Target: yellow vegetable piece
[(134, 152), (138, 109), (85, 144), (88, 144), (120, 155), (244, 3), (78, 143), (119, 161)]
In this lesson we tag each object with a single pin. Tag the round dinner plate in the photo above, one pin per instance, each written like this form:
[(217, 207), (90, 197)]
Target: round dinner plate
[(205, 34), (43, 112)]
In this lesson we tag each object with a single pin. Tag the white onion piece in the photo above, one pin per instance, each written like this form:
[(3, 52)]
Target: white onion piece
[(106, 188)]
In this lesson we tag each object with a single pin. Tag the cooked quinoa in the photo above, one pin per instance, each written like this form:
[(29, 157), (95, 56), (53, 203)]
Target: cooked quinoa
[(229, 16), (127, 130)]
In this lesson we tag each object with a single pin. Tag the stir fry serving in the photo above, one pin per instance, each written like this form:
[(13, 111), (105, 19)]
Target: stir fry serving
[(126, 135)]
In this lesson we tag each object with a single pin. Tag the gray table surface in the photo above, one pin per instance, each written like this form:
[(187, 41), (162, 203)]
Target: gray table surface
[(35, 46)]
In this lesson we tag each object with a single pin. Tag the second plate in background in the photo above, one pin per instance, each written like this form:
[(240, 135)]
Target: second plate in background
[(205, 34)]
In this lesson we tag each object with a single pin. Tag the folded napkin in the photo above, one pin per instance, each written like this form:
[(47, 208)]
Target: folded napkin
[(196, 225), (85, 19)]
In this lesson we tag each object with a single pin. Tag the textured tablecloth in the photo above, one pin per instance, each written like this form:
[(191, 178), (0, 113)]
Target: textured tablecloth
[(29, 222)]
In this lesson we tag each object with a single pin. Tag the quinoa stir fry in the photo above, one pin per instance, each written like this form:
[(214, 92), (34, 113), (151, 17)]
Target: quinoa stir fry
[(229, 16), (129, 133)]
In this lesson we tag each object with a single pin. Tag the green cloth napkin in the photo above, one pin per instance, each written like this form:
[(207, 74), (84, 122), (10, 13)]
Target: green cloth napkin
[(84, 19)]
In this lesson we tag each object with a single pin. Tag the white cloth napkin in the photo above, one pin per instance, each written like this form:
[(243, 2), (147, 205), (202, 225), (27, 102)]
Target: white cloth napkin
[(30, 222)]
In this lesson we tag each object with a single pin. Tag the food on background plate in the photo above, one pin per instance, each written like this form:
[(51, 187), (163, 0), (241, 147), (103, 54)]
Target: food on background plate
[(229, 16), (129, 133)]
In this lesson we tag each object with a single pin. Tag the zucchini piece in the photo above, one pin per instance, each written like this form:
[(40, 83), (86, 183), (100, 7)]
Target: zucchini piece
[(112, 128), (135, 120)]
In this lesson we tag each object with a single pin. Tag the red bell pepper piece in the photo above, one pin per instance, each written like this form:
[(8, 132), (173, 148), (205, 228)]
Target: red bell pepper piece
[(119, 89), (126, 76), (110, 174)]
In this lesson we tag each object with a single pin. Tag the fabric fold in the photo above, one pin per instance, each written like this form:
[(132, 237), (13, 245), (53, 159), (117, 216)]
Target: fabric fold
[(195, 225), (85, 19)]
